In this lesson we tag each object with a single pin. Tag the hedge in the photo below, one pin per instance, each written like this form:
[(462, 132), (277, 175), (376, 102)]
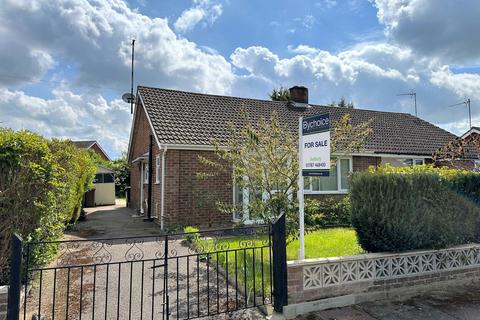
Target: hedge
[(328, 212), (396, 209), (42, 183)]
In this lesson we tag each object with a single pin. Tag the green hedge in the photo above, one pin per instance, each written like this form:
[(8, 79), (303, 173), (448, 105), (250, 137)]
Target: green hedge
[(414, 208), (41, 187), (328, 211)]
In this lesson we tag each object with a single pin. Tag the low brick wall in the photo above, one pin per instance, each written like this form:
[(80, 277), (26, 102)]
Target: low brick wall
[(3, 302), (316, 284)]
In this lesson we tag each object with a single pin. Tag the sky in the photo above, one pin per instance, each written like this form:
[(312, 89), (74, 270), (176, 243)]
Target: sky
[(64, 64)]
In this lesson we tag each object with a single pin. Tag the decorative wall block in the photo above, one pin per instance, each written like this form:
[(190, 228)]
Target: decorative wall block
[(326, 273)]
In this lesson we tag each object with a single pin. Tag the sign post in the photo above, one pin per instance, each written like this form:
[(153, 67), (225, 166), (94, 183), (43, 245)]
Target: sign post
[(314, 160)]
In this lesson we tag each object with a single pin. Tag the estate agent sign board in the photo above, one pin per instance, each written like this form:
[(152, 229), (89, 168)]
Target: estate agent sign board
[(315, 145), (314, 159)]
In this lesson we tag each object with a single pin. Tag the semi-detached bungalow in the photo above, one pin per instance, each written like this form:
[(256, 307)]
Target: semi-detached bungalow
[(171, 129)]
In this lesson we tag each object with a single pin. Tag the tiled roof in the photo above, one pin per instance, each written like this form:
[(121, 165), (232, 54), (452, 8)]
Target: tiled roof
[(83, 144), (188, 118)]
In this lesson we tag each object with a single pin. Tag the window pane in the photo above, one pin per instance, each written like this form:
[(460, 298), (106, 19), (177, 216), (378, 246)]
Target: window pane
[(344, 171), (329, 183), (238, 202), (98, 178), (418, 162), (315, 183), (408, 162), (108, 178), (306, 183)]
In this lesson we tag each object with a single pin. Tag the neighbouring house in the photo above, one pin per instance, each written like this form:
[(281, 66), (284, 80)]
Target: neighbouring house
[(462, 152), (171, 129), (103, 192)]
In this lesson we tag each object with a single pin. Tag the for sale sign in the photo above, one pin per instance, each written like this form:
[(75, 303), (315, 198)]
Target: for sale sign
[(315, 145)]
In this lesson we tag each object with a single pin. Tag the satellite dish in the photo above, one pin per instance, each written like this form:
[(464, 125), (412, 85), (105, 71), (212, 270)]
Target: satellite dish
[(128, 97)]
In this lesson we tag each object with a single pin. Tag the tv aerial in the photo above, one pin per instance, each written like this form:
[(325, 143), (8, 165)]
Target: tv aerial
[(129, 97), (467, 104), (413, 95)]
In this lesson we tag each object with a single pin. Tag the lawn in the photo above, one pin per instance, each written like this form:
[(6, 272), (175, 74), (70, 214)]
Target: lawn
[(249, 257), (333, 242)]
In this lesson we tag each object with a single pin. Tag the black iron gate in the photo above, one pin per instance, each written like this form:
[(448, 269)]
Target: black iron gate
[(173, 276)]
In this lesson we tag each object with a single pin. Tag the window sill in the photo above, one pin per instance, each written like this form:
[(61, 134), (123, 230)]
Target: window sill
[(325, 192)]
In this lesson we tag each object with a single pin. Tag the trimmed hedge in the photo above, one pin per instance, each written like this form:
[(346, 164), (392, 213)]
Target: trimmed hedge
[(328, 212), (417, 208), (41, 187)]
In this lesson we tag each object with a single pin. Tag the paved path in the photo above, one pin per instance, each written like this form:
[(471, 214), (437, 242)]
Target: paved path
[(458, 303), (115, 279)]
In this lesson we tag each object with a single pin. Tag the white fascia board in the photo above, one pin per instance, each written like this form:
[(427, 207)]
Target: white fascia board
[(339, 154), (469, 132), (385, 155), (149, 120), (139, 97), (191, 147)]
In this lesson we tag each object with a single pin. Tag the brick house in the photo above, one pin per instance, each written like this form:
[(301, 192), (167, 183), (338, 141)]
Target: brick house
[(171, 129)]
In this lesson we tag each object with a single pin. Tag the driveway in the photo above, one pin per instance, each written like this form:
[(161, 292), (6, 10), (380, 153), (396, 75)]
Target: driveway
[(452, 303), (120, 279)]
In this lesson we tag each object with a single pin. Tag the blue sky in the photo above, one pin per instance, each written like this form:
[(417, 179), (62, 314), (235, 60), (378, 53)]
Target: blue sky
[(67, 62)]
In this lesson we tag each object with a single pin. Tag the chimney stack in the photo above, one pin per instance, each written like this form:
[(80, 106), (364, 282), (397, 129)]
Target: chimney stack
[(299, 94)]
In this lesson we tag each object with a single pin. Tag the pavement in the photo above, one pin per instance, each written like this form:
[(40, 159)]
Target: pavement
[(452, 303)]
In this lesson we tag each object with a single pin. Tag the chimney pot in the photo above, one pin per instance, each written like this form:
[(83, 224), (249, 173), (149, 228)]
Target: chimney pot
[(299, 94)]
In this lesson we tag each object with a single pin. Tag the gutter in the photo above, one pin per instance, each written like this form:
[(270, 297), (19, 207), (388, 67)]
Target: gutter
[(162, 195)]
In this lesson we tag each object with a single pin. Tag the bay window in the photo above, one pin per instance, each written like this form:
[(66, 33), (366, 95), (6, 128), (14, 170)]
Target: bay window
[(336, 182)]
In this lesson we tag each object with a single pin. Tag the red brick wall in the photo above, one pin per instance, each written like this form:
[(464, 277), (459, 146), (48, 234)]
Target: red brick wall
[(362, 163), (99, 152), (190, 200), (140, 146)]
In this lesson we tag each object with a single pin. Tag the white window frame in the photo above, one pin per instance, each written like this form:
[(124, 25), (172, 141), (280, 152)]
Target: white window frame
[(158, 164), (339, 179), (245, 201)]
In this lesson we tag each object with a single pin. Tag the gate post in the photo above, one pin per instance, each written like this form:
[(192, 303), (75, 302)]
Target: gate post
[(13, 310), (280, 290)]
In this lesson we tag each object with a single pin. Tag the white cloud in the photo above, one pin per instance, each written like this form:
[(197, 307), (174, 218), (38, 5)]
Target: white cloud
[(205, 10), (69, 115), (441, 29), (307, 21), (370, 74), (463, 84), (327, 4), (94, 38)]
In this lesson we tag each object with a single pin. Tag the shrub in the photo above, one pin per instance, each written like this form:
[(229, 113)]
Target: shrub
[(38, 190), (329, 211), (192, 234), (77, 171), (413, 208)]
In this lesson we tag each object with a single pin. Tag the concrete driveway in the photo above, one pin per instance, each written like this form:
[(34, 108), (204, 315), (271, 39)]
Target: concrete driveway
[(117, 279), (447, 304)]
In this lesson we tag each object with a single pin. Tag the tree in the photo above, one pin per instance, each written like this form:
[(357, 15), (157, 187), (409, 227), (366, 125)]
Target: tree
[(280, 94), (342, 103), (263, 157), (121, 170)]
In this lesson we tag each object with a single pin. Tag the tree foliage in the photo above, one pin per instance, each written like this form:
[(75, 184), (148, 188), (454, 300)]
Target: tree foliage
[(280, 94), (342, 103), (121, 170), (263, 157), (41, 187)]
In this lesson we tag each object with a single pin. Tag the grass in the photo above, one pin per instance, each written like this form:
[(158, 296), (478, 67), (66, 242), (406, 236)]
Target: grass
[(333, 242), (247, 255)]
